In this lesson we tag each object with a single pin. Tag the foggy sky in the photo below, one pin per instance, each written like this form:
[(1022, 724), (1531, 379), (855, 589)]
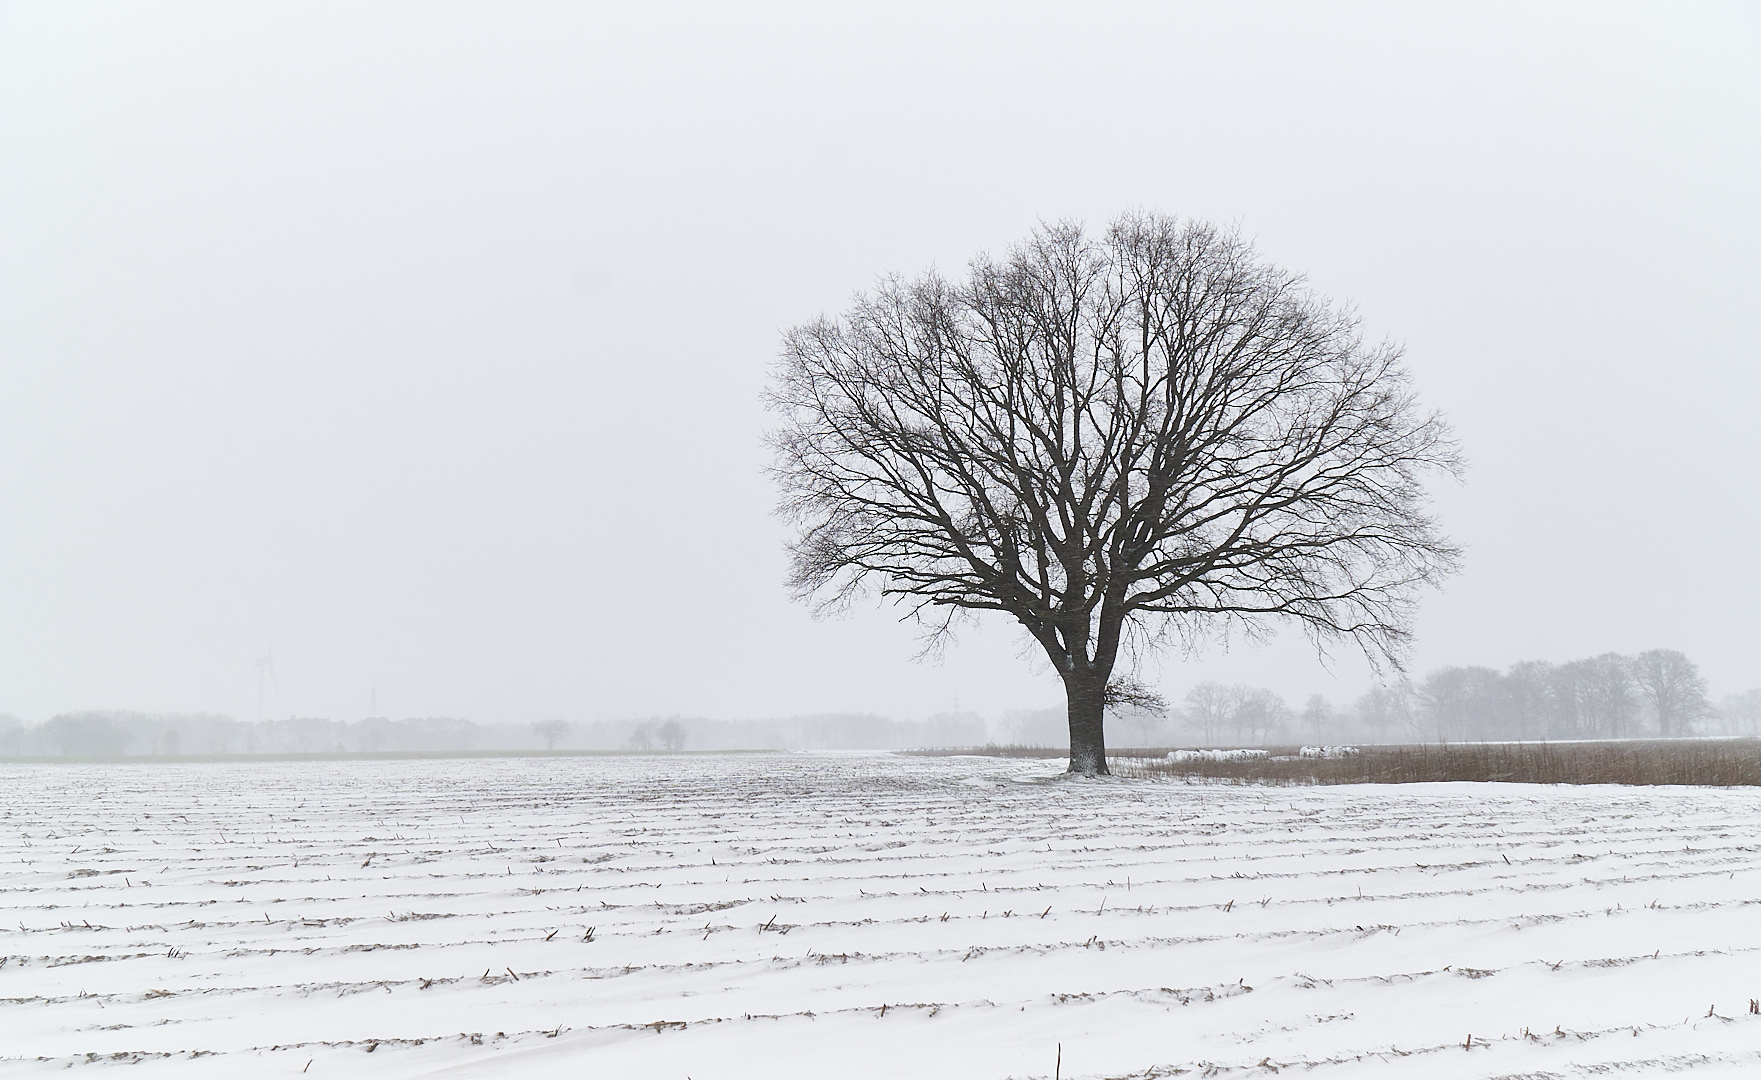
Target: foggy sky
[(423, 344)]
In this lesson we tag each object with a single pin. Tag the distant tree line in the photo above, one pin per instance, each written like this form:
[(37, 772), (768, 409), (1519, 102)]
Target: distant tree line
[(1655, 694), (115, 733), (132, 734), (1658, 694)]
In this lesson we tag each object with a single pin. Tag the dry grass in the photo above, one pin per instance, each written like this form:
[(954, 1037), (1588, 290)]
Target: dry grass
[(1006, 750), (1703, 762)]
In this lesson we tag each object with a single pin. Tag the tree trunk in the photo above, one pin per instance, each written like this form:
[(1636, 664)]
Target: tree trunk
[(1088, 742)]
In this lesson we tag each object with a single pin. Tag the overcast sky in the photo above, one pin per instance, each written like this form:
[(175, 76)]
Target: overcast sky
[(423, 343)]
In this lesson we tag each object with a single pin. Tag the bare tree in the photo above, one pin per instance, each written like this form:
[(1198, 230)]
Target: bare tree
[(1741, 713), (1317, 718), (1387, 710), (642, 736), (1209, 706), (1464, 703), (1613, 696), (1574, 701), (1129, 700), (1258, 713), (551, 731), (1118, 441), (1671, 683), (671, 735), (1529, 687)]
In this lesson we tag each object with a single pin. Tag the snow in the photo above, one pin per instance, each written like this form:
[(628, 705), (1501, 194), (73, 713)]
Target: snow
[(864, 916), (1328, 752)]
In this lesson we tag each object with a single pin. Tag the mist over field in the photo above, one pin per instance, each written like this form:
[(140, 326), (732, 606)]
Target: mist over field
[(420, 349)]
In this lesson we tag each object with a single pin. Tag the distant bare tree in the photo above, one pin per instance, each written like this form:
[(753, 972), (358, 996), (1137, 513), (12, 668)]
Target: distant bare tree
[(551, 731), (1574, 705), (89, 734), (671, 735), (1613, 696), (1258, 714), (1595, 698), (1317, 718), (1117, 441), (642, 737), (1741, 713), (1671, 683), (374, 734), (1464, 703), (1386, 711), (1528, 687), (1209, 707)]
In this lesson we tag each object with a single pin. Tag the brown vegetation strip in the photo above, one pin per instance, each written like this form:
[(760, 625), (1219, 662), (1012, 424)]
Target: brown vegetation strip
[(1699, 762)]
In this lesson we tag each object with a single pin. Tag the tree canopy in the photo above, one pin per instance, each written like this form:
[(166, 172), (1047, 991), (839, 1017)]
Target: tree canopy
[(1118, 441)]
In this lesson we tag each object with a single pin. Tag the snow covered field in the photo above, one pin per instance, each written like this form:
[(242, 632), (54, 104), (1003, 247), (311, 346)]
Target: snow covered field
[(823, 915)]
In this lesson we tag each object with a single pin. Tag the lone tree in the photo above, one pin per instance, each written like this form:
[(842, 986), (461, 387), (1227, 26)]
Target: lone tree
[(1121, 441), (550, 731)]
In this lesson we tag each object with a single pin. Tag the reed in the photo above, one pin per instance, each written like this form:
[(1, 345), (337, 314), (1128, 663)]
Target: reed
[(1697, 762)]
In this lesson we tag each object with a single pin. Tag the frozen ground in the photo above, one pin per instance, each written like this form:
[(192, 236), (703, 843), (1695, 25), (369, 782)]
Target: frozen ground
[(864, 916)]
